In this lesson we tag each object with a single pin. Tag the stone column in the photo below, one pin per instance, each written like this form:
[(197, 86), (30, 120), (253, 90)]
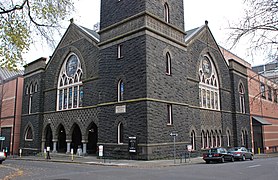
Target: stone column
[(43, 145), (54, 145), (84, 148), (84, 141)]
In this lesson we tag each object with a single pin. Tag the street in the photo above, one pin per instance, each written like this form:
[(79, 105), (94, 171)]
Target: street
[(255, 170)]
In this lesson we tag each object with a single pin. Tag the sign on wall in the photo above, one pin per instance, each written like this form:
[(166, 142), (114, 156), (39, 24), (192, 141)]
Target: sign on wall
[(132, 144)]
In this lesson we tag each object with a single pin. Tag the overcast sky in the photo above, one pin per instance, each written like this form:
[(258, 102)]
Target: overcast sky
[(218, 13)]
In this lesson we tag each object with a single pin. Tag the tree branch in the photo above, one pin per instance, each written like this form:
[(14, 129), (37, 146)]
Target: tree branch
[(16, 7)]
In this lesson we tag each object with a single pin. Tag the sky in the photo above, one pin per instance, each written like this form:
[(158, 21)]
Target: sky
[(218, 13)]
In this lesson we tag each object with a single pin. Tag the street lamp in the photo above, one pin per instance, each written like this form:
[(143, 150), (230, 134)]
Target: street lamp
[(174, 134)]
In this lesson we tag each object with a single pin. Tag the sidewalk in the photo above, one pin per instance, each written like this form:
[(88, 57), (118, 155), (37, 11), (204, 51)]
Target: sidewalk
[(93, 160)]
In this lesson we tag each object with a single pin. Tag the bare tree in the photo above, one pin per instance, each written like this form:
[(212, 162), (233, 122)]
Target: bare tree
[(259, 26), (23, 21)]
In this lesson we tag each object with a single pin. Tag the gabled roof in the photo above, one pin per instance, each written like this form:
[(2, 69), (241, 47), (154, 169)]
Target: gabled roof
[(86, 31), (93, 33), (6, 74), (192, 32)]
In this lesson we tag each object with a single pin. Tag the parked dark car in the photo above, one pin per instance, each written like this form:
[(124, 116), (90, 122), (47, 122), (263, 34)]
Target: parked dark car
[(241, 153), (218, 155), (3, 156)]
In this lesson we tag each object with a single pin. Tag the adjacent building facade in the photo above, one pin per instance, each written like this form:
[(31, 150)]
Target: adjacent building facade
[(132, 84), (11, 85), (264, 112), (263, 104)]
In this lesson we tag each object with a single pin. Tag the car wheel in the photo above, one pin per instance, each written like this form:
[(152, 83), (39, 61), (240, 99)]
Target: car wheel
[(243, 158), (222, 160), (252, 158), (0, 162), (207, 162), (232, 159)]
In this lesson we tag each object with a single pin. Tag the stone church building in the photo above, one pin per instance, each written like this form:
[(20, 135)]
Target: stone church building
[(132, 84)]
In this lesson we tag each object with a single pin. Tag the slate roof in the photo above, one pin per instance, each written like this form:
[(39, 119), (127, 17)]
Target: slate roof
[(91, 32), (190, 33)]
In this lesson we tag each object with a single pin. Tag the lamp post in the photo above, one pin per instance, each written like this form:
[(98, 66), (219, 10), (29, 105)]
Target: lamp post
[(174, 134)]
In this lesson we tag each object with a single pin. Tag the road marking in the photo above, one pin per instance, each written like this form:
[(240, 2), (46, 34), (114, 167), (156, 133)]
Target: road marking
[(258, 165)]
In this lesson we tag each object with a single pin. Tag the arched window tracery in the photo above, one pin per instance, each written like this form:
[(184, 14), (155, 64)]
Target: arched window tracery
[(70, 87), (208, 84)]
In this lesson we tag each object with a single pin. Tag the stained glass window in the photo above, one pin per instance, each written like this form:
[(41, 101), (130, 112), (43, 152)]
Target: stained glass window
[(70, 90), (208, 84)]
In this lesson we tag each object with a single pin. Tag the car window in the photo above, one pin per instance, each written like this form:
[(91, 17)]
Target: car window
[(213, 151)]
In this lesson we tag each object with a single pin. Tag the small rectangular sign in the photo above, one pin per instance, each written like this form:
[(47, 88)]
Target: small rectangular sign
[(2, 138), (120, 109), (132, 144)]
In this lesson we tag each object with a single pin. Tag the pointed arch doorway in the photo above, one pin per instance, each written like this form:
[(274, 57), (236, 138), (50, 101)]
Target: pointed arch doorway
[(76, 138), (48, 137), (62, 145), (92, 139)]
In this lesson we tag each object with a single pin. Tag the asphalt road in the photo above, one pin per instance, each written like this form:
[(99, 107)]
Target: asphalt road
[(259, 169)]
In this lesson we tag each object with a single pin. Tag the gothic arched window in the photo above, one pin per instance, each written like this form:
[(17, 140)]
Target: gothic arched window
[(241, 98), (168, 63), (120, 90), (193, 140), (29, 134), (228, 138), (70, 89), (166, 13), (208, 84), (120, 133)]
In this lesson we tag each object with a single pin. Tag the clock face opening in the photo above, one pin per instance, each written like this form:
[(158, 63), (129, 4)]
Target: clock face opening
[(206, 66), (71, 65)]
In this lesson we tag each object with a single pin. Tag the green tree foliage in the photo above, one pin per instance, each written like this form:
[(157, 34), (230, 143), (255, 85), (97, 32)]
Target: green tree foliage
[(259, 27), (23, 21)]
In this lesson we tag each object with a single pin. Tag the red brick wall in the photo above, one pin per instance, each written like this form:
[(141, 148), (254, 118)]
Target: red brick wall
[(265, 108)]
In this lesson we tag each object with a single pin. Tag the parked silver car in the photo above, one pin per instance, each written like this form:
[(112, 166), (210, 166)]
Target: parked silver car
[(241, 153), (3, 156)]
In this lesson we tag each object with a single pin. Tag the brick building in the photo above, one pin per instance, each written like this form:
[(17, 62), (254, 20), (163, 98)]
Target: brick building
[(264, 112), (11, 87), (132, 84), (263, 105)]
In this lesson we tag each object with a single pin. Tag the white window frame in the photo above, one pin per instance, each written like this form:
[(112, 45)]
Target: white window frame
[(169, 114), (203, 139), (26, 132), (76, 83), (120, 129), (120, 90), (210, 85), (241, 98), (168, 64), (166, 13), (193, 139), (228, 138), (119, 51)]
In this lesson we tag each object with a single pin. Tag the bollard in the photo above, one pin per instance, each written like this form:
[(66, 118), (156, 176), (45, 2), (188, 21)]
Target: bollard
[(259, 150), (20, 152), (71, 151)]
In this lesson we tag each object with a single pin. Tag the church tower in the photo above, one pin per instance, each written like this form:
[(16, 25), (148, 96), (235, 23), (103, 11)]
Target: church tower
[(140, 44)]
